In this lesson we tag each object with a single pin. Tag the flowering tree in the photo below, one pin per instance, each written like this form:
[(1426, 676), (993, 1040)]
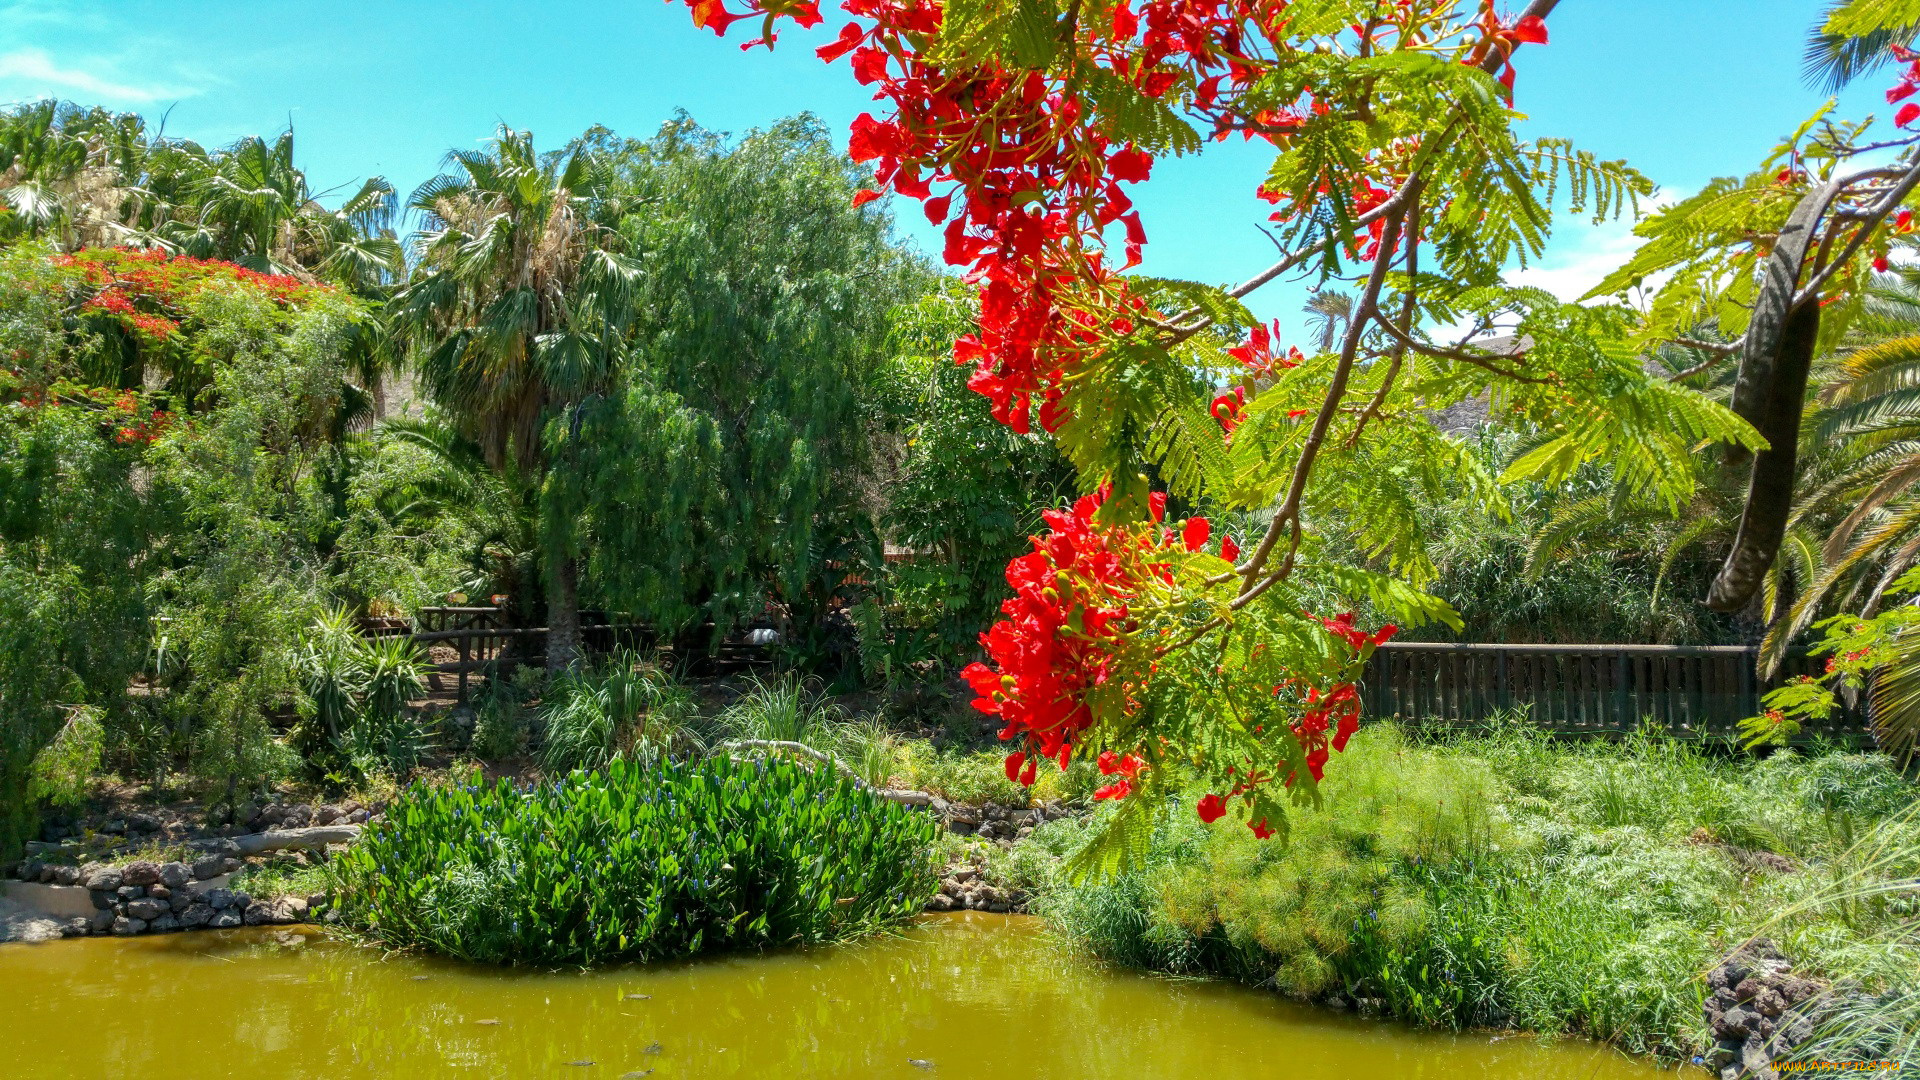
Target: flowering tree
[(1019, 127)]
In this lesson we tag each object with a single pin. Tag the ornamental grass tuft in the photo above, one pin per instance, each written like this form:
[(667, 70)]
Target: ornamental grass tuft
[(636, 862)]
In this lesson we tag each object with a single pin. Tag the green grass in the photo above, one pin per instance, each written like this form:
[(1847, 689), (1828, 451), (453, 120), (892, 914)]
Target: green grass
[(1509, 880)]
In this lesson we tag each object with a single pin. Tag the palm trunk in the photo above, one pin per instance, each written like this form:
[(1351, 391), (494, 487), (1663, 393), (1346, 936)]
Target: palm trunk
[(563, 616)]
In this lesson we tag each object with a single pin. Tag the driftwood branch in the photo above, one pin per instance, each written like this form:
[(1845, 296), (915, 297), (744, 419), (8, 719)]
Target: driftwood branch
[(898, 795)]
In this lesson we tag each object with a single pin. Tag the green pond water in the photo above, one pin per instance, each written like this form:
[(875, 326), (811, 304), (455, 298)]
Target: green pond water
[(970, 996)]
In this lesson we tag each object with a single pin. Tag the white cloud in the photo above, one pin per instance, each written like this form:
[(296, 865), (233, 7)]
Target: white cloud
[(27, 73), (1579, 256)]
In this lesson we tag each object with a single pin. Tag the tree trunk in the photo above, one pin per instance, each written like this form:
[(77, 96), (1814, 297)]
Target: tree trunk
[(1771, 394), (563, 615)]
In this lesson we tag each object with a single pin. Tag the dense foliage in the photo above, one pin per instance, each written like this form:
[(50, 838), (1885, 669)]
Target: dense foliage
[(640, 861), (1505, 880), (1018, 129)]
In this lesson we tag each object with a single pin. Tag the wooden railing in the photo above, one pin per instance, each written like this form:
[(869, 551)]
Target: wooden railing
[(1693, 691)]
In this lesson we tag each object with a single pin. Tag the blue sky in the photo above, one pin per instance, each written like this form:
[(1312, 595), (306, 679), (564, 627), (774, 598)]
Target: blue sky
[(1683, 89)]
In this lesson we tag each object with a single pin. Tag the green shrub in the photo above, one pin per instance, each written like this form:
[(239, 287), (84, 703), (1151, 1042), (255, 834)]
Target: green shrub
[(970, 778), (500, 721), (1505, 879), (635, 863), (589, 716)]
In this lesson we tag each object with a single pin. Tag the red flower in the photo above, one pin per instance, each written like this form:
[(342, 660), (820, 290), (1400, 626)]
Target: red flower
[(1880, 263), (1157, 505), (850, 37), (1195, 532), (1131, 165), (1211, 808), (1229, 550), (864, 196), (1260, 828), (1908, 114), (1530, 30), (1119, 789)]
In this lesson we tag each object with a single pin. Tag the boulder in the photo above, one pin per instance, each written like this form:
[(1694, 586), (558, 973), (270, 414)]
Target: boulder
[(196, 914), (209, 867), (164, 923), (224, 920), (130, 892), (103, 900), (260, 913), (180, 901), (102, 921), (159, 892), (66, 875), (147, 908), (218, 899), (142, 872), (175, 874), (125, 926), (77, 927)]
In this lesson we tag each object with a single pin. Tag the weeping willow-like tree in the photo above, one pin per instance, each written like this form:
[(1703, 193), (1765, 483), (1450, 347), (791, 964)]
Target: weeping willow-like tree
[(722, 459)]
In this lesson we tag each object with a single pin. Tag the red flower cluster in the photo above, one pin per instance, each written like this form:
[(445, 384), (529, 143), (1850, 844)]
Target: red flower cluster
[(1258, 356), (1329, 716), (113, 301), (1016, 166), (1127, 767), (1063, 625), (1905, 88), (169, 279)]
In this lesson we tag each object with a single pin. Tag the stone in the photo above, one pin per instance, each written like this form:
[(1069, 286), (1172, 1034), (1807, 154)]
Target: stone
[(130, 892), (258, 913), (146, 908), (164, 923), (359, 817), (142, 872), (316, 901), (143, 823), (209, 867), (327, 815), (77, 927), (225, 920), (159, 892), (196, 914), (101, 921), (218, 899), (175, 874), (127, 927), (940, 902), (290, 909), (103, 900), (30, 870), (241, 900), (180, 901)]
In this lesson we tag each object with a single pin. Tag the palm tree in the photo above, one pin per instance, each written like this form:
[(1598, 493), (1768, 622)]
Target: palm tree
[(518, 311), (66, 173), (1331, 310)]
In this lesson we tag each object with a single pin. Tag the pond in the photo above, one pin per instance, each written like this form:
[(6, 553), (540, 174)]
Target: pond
[(971, 996)]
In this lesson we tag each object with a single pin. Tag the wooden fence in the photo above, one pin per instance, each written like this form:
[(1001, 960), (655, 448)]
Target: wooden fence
[(465, 640), (1694, 691)]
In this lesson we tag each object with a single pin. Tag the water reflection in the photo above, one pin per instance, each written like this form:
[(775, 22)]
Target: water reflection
[(963, 995)]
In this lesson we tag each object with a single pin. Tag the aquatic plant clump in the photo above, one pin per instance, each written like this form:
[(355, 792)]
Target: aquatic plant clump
[(638, 862)]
